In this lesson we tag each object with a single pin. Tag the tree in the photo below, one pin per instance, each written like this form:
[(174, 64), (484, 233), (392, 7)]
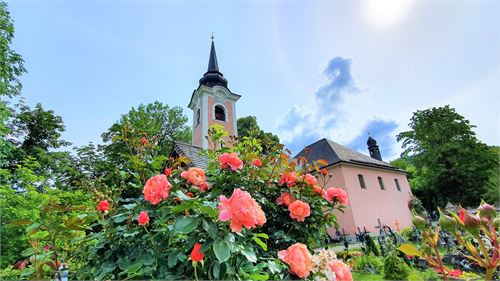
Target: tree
[(247, 126), (155, 123), (38, 129), (11, 63), (11, 67), (451, 164)]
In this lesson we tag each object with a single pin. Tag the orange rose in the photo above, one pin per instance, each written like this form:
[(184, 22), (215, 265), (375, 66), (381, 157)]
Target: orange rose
[(342, 270), (285, 199), (299, 210), (338, 194), (288, 178), (310, 179), (195, 176), (242, 210), (156, 189), (298, 258), (230, 160)]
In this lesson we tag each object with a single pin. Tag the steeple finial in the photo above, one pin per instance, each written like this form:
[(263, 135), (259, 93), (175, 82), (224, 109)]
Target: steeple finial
[(213, 76)]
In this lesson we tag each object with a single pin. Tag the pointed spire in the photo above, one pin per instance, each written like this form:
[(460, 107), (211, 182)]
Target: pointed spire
[(213, 66), (213, 76)]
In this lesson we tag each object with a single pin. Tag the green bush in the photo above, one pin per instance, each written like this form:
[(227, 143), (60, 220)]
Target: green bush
[(369, 264), (395, 268), (371, 246)]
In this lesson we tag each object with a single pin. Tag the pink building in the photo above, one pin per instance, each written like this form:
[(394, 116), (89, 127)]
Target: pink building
[(376, 190)]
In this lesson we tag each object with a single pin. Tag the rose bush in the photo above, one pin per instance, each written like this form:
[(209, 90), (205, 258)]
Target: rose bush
[(240, 218)]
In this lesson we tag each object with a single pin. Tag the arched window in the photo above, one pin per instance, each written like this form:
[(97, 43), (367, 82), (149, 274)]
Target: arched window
[(220, 114), (197, 117)]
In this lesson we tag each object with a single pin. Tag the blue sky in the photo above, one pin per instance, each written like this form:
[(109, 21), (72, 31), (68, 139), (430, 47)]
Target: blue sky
[(306, 70)]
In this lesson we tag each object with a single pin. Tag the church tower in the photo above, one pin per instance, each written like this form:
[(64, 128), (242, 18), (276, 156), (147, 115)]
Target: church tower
[(373, 148), (212, 103)]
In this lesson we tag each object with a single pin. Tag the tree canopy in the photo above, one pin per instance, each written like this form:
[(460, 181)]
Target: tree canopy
[(451, 164), (247, 126)]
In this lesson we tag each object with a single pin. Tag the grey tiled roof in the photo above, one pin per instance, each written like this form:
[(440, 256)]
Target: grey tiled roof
[(193, 152), (333, 152)]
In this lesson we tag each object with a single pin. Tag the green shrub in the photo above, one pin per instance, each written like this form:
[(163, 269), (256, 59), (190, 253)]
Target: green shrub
[(371, 246), (369, 264), (395, 268), (430, 275)]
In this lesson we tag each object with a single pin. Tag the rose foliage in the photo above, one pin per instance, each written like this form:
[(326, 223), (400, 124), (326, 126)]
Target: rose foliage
[(248, 215)]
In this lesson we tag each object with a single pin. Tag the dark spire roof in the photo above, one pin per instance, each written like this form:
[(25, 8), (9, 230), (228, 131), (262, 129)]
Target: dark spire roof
[(213, 77), (371, 141)]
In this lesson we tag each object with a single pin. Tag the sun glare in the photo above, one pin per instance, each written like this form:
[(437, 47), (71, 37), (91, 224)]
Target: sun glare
[(386, 13)]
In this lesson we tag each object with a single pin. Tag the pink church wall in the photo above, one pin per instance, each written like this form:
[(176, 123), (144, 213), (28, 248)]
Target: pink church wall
[(345, 219), (367, 205), (228, 125)]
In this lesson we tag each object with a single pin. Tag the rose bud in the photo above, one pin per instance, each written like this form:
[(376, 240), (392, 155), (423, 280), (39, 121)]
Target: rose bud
[(446, 222), (419, 222), (168, 172), (486, 211), (471, 223)]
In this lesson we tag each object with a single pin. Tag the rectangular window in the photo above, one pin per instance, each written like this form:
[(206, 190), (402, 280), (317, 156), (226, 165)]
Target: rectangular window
[(381, 182), (397, 184), (361, 181)]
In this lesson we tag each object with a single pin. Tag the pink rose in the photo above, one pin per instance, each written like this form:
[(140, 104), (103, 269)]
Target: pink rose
[(230, 160), (338, 194), (342, 270), (143, 218), (257, 163), (285, 199), (298, 258), (310, 179), (299, 210), (288, 178), (156, 189), (242, 210)]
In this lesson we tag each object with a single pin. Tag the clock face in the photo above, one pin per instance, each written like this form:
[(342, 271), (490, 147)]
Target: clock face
[(219, 97)]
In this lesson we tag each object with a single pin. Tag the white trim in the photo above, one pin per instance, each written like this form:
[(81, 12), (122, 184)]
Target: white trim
[(235, 125), (204, 121)]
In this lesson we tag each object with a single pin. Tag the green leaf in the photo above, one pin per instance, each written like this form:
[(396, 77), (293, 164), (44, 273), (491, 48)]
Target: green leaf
[(259, 276), (210, 227), (28, 252), (262, 235), (33, 228), (120, 218), (131, 234), (130, 206), (249, 254), (172, 258), (27, 272), (260, 243), (410, 250), (221, 250), (186, 225), (183, 196)]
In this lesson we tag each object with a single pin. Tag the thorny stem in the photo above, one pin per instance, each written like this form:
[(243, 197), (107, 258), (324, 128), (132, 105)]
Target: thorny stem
[(431, 243)]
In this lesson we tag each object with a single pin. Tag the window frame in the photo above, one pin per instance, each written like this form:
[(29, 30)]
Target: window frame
[(361, 180), (398, 187), (381, 183)]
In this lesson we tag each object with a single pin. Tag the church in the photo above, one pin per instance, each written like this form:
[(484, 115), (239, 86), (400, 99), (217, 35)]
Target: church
[(379, 193)]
